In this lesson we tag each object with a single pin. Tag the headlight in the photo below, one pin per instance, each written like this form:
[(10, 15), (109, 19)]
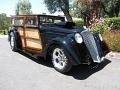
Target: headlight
[(100, 36), (78, 38)]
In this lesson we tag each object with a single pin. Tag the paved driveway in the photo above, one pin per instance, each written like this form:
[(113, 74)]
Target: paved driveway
[(20, 72)]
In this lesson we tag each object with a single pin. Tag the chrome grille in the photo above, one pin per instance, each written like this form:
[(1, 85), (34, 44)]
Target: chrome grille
[(91, 45)]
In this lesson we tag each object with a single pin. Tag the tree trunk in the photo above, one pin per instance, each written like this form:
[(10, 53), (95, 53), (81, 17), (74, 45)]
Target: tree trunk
[(68, 16), (117, 8), (64, 4)]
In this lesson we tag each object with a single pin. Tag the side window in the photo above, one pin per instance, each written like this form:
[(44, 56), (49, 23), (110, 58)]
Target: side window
[(18, 21), (46, 19), (57, 21), (31, 21), (49, 20), (42, 19)]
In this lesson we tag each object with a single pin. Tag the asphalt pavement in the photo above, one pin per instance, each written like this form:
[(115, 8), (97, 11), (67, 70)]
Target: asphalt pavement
[(19, 71)]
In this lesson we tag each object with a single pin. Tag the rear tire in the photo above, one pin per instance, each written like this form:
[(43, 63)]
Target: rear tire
[(60, 60), (13, 42)]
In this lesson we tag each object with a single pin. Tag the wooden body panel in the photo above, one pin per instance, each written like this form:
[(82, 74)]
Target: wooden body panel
[(33, 39), (23, 42), (32, 33), (20, 31), (30, 38), (33, 44)]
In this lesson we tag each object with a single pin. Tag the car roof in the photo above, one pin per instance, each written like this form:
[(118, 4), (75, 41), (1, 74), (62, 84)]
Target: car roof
[(38, 15)]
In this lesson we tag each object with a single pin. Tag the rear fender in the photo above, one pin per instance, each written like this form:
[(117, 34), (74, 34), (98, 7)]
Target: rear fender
[(15, 33), (17, 37)]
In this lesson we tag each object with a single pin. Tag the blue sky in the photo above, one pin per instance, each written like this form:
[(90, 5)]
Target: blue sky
[(8, 7)]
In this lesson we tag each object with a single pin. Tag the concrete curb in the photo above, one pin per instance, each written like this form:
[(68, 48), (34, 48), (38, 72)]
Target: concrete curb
[(114, 55)]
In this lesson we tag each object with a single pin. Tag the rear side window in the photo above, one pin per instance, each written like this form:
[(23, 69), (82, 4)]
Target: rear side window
[(42, 19), (18, 21), (31, 21)]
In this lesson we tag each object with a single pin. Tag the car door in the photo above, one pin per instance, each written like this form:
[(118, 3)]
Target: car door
[(32, 34)]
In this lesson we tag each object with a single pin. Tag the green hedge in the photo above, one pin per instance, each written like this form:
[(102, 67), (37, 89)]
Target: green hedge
[(79, 23), (114, 22)]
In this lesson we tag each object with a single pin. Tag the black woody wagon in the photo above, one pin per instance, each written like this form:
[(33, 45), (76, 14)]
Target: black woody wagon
[(51, 37)]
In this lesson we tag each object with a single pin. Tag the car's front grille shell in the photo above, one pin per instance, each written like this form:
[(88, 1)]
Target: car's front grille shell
[(91, 45)]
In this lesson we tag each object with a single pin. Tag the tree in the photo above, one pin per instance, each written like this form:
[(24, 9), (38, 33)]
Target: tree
[(77, 7), (23, 7), (4, 22), (111, 7), (59, 5)]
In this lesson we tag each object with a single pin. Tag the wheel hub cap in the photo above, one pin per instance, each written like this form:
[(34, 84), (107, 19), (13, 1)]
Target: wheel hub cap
[(59, 58)]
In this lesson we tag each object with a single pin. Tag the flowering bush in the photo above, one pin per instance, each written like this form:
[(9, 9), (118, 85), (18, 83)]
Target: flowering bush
[(111, 37), (99, 25)]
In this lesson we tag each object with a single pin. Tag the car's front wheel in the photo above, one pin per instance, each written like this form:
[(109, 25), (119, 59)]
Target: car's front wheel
[(13, 42), (60, 60)]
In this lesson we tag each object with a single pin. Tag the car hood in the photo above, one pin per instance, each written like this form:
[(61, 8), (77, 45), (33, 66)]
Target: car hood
[(55, 28)]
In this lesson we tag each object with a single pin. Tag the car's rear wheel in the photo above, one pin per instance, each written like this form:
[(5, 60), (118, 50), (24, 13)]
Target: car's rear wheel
[(60, 60), (13, 42)]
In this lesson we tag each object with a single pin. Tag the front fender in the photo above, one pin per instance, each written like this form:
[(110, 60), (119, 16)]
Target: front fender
[(67, 44), (101, 45)]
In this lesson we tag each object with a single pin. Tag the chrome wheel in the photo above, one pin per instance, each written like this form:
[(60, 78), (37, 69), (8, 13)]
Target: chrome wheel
[(59, 58)]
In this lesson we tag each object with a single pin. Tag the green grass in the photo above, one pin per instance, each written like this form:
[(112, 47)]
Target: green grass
[(3, 33)]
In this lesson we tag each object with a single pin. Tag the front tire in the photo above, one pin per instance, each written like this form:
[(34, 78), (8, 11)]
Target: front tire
[(60, 60), (13, 43)]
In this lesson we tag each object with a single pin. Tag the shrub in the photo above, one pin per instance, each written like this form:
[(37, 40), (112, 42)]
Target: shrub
[(79, 23), (99, 25), (104, 26), (112, 38), (3, 32)]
